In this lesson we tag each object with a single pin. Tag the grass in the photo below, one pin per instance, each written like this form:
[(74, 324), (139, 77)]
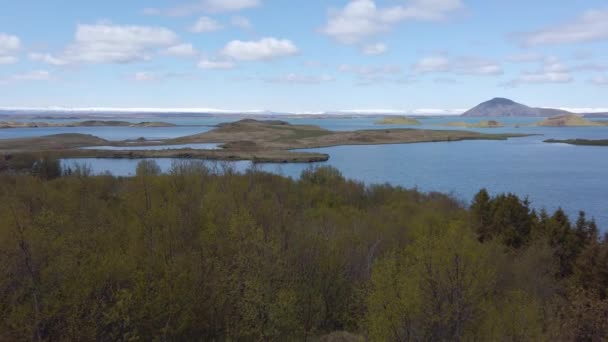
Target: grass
[(397, 120), (570, 121)]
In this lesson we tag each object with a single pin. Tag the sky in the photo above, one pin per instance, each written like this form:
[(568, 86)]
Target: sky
[(303, 56)]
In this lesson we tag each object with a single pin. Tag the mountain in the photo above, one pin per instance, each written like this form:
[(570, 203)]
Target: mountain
[(500, 107)]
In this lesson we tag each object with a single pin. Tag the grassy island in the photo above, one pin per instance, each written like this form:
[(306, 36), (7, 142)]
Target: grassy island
[(398, 120), (570, 121), (263, 141)]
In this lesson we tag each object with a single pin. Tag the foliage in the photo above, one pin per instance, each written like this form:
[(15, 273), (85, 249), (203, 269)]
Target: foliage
[(210, 254)]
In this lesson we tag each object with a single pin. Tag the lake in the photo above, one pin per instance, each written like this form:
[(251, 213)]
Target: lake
[(550, 175)]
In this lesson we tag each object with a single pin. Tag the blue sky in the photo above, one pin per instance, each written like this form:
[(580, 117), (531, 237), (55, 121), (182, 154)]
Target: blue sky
[(311, 56)]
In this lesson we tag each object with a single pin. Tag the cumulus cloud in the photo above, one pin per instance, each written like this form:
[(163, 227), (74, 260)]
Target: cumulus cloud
[(300, 79), (47, 59), (591, 26), (460, 65), (181, 50), (375, 49), (107, 43), (241, 22), (361, 19), (209, 64), (206, 24), (9, 47), (551, 71), (204, 6), (263, 49)]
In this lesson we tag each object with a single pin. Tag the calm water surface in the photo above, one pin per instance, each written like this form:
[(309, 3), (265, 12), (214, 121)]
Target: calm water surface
[(551, 175)]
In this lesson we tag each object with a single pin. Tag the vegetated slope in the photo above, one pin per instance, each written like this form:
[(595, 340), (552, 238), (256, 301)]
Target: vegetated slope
[(501, 107), (206, 255)]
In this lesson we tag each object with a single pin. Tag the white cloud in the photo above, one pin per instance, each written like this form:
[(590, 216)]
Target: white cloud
[(432, 64), (528, 57), (460, 65), (551, 71), (591, 66), (9, 47), (181, 50), (241, 22), (8, 60), (47, 58), (600, 80), (375, 49), (263, 49), (476, 66), (107, 43), (209, 64), (146, 77), (207, 6), (206, 24), (36, 75), (300, 79), (361, 19), (589, 27)]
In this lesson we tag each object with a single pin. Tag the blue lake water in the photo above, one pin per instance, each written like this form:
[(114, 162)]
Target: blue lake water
[(551, 175)]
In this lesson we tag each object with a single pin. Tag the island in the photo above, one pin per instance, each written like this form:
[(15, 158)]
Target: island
[(481, 124), (569, 121), (581, 142), (270, 141), (88, 123), (398, 120)]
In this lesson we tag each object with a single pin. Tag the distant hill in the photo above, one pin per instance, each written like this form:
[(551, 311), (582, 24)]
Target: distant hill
[(501, 107), (596, 115)]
